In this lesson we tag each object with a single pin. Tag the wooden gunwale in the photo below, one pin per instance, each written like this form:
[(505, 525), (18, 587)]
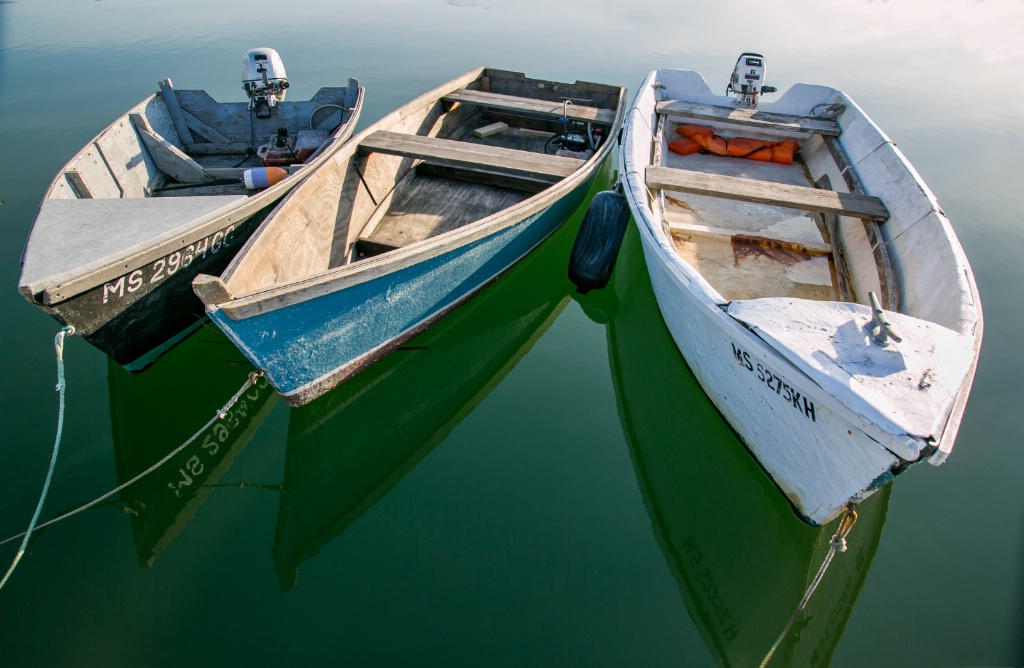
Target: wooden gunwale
[(890, 293), (279, 296), (66, 287)]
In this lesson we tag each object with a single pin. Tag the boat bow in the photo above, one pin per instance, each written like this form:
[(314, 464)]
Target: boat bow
[(906, 388)]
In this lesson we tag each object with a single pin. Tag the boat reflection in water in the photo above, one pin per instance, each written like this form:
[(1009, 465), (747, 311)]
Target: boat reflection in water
[(739, 553), (349, 448), (154, 412)]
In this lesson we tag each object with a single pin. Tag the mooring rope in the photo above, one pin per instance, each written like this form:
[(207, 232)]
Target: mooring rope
[(830, 112), (217, 416), (838, 544), (58, 343)]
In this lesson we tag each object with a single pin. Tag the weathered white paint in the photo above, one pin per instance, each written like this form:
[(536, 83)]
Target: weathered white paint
[(766, 362), (77, 246)]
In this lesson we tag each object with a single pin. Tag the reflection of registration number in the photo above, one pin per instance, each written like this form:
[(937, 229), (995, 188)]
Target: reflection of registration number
[(167, 266), (226, 427), (775, 383)]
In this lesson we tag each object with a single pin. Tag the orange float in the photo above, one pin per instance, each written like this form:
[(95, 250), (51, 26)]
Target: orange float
[(705, 138)]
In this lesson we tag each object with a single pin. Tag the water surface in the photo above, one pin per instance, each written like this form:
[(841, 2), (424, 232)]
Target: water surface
[(542, 482)]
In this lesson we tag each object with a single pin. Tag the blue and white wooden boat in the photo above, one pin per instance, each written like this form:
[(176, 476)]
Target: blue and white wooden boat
[(160, 195), (409, 220), (782, 285)]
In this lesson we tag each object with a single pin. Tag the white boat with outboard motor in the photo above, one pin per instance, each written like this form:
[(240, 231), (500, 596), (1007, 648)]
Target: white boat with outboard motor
[(170, 189), (806, 273)]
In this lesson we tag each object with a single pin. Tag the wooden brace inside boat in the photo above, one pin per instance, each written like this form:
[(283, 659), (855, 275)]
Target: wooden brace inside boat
[(168, 158)]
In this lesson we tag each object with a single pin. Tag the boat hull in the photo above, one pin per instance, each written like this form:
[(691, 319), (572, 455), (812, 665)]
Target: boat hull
[(818, 436), (819, 457), (308, 348), (134, 301), (137, 316), (740, 558)]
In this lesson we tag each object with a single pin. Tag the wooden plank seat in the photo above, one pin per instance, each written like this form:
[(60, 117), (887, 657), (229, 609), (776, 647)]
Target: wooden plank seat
[(532, 107), (767, 192), (765, 120), (449, 153)]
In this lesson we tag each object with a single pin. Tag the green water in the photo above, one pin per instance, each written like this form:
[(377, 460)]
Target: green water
[(539, 481)]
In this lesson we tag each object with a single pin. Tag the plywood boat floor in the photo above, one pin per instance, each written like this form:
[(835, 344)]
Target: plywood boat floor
[(811, 247), (748, 217), (428, 206), (513, 139), (741, 269)]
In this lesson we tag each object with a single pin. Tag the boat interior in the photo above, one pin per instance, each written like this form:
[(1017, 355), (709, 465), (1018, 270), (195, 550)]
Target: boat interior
[(797, 251), (457, 155), (185, 143), (767, 229)]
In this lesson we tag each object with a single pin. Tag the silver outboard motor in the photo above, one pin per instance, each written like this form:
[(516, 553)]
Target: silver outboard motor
[(264, 80), (747, 81)]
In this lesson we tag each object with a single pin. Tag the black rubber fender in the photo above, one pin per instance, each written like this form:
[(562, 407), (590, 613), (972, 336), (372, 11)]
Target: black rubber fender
[(598, 240)]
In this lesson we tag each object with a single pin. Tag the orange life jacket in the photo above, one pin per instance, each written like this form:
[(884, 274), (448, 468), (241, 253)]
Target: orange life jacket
[(752, 149), (684, 146), (705, 138)]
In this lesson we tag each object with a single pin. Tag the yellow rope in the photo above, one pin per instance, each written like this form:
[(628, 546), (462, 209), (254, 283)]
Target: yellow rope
[(838, 544)]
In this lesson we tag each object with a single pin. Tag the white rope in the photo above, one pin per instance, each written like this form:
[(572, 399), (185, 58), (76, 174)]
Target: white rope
[(219, 415), (58, 343), (838, 545)]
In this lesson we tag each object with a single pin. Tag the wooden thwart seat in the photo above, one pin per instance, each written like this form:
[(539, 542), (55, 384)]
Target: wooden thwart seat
[(767, 192), (449, 153), (532, 107), (751, 117)]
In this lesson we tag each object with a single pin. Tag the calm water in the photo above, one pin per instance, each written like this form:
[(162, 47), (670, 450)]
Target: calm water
[(544, 483)]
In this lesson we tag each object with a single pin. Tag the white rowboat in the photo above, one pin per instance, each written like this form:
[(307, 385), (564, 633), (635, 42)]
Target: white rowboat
[(766, 285)]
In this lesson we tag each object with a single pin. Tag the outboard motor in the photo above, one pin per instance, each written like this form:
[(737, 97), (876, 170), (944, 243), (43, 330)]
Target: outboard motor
[(264, 80), (747, 81)]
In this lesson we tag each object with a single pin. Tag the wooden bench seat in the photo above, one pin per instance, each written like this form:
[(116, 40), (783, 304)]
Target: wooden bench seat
[(459, 154), (765, 120), (767, 192), (532, 107)]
